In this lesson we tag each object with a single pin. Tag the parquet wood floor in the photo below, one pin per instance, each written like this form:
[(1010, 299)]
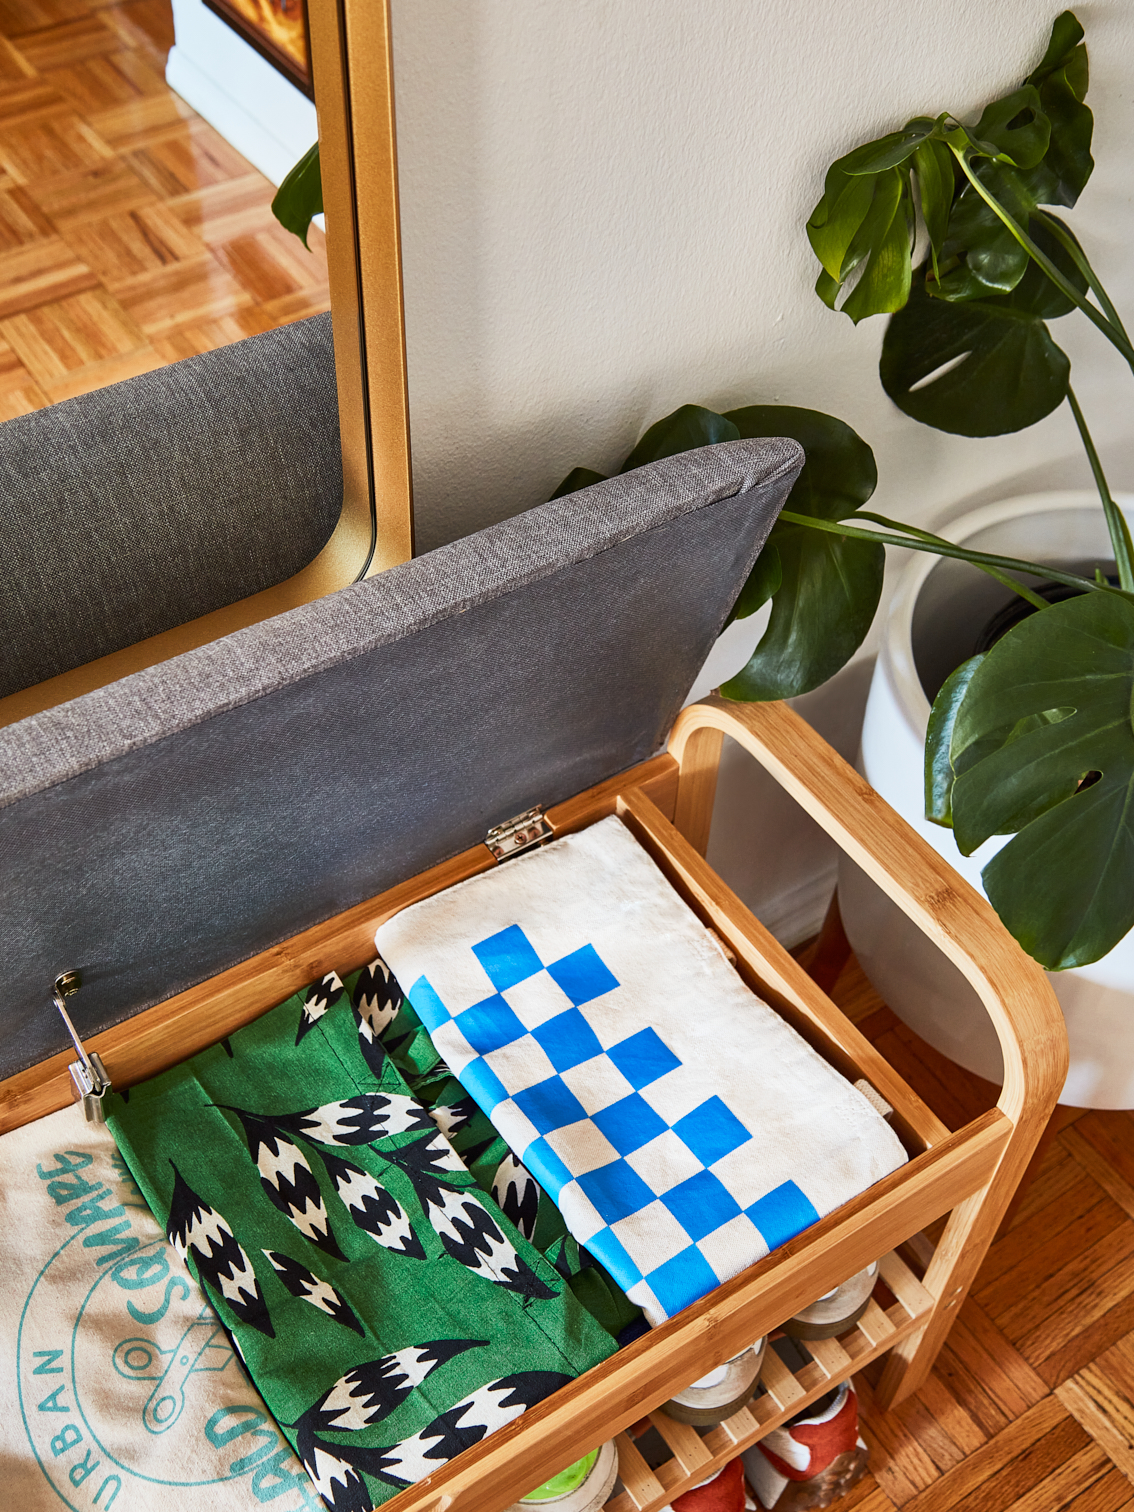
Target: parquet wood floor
[(1031, 1405), (131, 233)]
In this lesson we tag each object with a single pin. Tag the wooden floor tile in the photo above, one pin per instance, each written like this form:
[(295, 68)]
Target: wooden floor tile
[(1101, 1399), (99, 84), (47, 148), (70, 43), (96, 375), (1040, 1444), (21, 220), (188, 292), (121, 247), (206, 336), (1108, 1319), (272, 264), (27, 100), (136, 123), (14, 67), (39, 273), (19, 17), (224, 211), (145, 26), (1068, 1242), (982, 1370), (76, 333), (189, 159), (19, 393), (74, 199), (298, 306)]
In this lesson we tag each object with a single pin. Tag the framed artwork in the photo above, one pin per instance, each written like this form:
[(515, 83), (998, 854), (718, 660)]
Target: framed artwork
[(277, 29)]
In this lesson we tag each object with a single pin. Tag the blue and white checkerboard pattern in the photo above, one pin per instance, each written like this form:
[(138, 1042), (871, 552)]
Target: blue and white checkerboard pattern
[(656, 1201)]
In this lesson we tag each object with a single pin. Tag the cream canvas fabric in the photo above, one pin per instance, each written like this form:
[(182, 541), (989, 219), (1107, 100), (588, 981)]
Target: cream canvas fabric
[(683, 1128), (118, 1386)]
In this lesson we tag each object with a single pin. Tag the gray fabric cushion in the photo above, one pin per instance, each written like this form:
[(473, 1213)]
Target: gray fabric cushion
[(143, 505), (162, 829)]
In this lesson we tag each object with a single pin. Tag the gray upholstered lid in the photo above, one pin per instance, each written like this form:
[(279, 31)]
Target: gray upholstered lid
[(158, 831), (137, 507)]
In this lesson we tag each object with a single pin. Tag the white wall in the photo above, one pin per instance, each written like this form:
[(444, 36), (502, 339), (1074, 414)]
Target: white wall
[(603, 205)]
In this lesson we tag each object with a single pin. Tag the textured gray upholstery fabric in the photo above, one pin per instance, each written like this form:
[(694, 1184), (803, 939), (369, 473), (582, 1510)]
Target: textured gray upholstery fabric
[(157, 831), (138, 507)]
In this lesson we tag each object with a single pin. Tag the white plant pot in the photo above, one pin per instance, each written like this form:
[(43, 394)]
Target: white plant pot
[(936, 612)]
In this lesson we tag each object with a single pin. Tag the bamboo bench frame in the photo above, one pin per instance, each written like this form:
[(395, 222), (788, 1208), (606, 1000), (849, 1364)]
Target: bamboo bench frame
[(969, 1174)]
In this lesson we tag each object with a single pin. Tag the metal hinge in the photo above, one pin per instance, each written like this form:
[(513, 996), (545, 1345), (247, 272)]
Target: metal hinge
[(518, 834), (88, 1073)]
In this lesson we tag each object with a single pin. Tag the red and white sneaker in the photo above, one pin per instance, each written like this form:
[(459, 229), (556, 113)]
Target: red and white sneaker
[(724, 1492), (812, 1460)]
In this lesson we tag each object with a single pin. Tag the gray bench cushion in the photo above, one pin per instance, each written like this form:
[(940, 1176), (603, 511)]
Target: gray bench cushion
[(159, 830), (143, 505)]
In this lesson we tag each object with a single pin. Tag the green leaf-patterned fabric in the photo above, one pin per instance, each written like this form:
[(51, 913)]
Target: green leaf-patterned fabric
[(388, 1311)]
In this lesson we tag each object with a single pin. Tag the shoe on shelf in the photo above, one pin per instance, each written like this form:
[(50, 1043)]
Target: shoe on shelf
[(723, 1492), (722, 1392), (837, 1310), (811, 1461), (583, 1487)]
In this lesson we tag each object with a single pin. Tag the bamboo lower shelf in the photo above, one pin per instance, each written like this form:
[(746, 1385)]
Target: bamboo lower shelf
[(695, 1457)]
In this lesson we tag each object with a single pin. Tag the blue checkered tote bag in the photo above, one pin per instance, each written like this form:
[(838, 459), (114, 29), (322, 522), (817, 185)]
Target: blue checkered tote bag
[(683, 1128)]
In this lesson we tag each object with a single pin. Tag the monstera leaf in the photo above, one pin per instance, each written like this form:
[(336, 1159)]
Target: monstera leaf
[(687, 428), (986, 366), (1041, 747), (300, 196), (824, 588), (1029, 148)]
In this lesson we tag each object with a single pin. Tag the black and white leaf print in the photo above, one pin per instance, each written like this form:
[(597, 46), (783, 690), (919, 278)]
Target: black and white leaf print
[(466, 1228), (289, 1181), (365, 1395), (451, 1118), (196, 1230), (319, 997), (358, 1120), (303, 1283), (516, 1193), (334, 1477), (373, 1208), (377, 998), (452, 1432), (370, 1392)]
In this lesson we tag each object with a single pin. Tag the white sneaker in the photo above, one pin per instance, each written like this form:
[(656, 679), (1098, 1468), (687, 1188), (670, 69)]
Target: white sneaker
[(583, 1487), (722, 1392), (837, 1310)]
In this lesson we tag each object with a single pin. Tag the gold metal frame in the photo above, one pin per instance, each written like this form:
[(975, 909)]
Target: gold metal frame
[(358, 154)]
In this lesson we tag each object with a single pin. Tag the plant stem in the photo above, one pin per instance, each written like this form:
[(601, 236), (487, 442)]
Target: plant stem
[(1079, 258), (1115, 335), (1115, 520), (924, 535), (947, 549)]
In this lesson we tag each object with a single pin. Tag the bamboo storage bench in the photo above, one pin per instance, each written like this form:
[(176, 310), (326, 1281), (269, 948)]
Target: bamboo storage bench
[(968, 1174)]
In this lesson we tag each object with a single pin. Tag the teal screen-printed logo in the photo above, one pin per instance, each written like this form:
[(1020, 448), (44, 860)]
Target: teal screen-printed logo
[(121, 1369)]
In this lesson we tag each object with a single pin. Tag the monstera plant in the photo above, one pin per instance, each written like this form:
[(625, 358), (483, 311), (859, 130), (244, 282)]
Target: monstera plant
[(1032, 738)]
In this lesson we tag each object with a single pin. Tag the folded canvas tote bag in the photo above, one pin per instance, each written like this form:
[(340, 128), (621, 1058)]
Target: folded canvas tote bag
[(119, 1386), (683, 1128), (388, 1311)]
